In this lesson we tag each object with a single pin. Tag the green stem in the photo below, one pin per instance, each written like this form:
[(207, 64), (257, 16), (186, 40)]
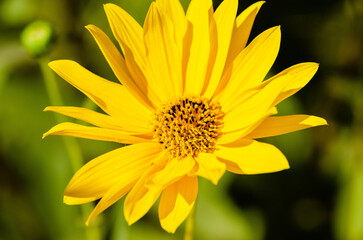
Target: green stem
[(189, 228), (120, 228), (72, 146)]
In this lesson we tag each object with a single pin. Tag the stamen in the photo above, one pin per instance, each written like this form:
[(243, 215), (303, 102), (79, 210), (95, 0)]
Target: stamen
[(188, 126)]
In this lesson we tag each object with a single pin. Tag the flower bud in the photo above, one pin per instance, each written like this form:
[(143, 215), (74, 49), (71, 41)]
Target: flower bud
[(37, 37)]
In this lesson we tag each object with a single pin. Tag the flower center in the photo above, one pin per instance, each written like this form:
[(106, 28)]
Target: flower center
[(188, 126)]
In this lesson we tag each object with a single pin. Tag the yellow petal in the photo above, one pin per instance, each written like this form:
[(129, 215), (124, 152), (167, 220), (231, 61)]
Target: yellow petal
[(173, 171), (76, 201), (224, 18), (298, 76), (162, 55), (142, 197), (253, 157), (210, 167), (129, 34), (176, 202), (254, 108), (199, 16), (241, 31), (120, 166), (231, 166), (95, 118), (273, 126), (96, 133), (112, 98), (118, 65), (243, 132), (175, 13), (114, 194), (251, 65)]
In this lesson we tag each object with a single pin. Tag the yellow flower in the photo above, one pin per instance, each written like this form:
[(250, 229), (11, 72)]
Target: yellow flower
[(191, 103)]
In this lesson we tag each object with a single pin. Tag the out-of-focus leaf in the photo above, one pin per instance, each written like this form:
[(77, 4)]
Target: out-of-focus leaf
[(16, 12), (218, 217)]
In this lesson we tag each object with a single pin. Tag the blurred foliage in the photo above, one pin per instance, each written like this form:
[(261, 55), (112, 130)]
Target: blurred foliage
[(320, 197)]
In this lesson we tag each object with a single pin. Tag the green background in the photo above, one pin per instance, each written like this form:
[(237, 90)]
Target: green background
[(320, 197)]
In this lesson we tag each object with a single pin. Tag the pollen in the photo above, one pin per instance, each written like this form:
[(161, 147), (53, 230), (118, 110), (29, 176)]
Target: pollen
[(188, 126)]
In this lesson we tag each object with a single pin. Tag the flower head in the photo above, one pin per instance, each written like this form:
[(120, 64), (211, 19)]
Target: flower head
[(191, 102)]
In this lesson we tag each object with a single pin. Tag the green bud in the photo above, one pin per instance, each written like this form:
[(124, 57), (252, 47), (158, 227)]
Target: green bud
[(37, 37)]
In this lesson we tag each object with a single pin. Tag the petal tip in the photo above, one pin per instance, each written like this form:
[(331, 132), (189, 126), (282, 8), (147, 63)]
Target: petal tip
[(313, 65), (324, 122), (88, 222), (129, 220), (52, 63), (56, 63), (89, 27), (168, 228), (67, 200), (215, 182), (127, 215), (274, 31), (259, 4), (109, 6), (286, 168)]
